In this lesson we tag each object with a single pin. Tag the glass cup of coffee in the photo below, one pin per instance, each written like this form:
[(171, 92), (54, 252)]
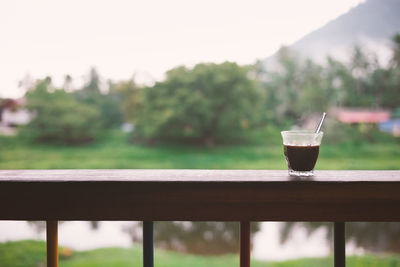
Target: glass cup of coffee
[(301, 149)]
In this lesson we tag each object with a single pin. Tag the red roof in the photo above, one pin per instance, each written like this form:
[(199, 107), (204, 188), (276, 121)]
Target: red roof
[(362, 116)]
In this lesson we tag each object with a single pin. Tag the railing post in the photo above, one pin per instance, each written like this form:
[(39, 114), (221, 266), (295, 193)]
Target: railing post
[(52, 243), (148, 244), (244, 244), (339, 244)]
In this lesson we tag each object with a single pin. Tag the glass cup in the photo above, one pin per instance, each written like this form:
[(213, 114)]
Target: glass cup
[(301, 149)]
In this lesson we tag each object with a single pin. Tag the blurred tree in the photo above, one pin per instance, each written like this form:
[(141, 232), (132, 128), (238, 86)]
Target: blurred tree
[(68, 83), (374, 237), (391, 94), (209, 103), (295, 88), (58, 116), (128, 93), (285, 84), (395, 61), (361, 93), (376, 86), (212, 238), (26, 83), (315, 94), (381, 85), (92, 86), (339, 79), (109, 106), (107, 102)]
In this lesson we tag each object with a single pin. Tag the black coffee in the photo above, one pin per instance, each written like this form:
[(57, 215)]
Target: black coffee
[(301, 158)]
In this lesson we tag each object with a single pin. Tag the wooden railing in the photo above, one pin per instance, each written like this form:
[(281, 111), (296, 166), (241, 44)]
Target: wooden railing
[(198, 195)]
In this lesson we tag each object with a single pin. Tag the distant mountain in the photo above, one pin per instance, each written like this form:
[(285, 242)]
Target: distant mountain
[(370, 24)]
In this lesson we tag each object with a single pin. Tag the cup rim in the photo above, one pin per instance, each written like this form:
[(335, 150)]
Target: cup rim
[(302, 132)]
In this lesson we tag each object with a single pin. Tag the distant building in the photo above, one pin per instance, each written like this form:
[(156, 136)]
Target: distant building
[(391, 126), (355, 115), (380, 118), (372, 116), (12, 115)]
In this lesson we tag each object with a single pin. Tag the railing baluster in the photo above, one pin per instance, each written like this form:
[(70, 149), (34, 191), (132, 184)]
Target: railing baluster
[(244, 244), (52, 243), (148, 244), (339, 244)]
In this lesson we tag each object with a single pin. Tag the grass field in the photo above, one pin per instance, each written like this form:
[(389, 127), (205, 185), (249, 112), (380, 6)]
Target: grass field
[(114, 151), (32, 254)]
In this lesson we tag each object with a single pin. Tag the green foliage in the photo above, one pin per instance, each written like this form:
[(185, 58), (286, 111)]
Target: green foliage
[(107, 103), (295, 87), (128, 93), (396, 50), (72, 117), (208, 104), (365, 83), (216, 103), (110, 111), (58, 116)]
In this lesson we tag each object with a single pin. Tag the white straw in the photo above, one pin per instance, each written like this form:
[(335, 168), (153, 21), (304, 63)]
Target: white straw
[(320, 123)]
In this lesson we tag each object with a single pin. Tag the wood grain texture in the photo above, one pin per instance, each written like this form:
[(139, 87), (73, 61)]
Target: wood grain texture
[(52, 243), (245, 245), (339, 244), (204, 195)]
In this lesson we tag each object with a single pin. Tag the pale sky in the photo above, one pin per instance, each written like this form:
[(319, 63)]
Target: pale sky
[(120, 38)]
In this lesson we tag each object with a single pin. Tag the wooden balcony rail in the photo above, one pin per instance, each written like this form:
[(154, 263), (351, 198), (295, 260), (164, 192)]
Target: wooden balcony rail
[(198, 195)]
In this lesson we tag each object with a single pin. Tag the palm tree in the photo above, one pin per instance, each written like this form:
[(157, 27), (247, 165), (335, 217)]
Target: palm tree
[(395, 61)]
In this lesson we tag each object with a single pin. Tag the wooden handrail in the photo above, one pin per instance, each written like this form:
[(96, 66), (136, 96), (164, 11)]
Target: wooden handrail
[(223, 195), (212, 195)]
